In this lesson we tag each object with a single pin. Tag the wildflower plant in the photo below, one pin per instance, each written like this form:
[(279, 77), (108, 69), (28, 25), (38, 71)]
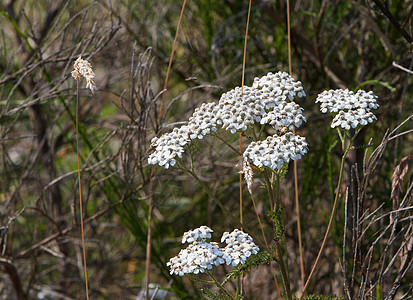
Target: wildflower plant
[(265, 107), (266, 115), (351, 111)]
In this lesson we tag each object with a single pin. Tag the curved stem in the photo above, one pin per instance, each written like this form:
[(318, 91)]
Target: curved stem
[(333, 212)]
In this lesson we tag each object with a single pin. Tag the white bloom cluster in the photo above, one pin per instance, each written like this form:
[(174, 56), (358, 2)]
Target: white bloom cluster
[(352, 118), (239, 247), (237, 110), (168, 146), (200, 255), (288, 114), (281, 84), (266, 102), (352, 108), (196, 258), (171, 144), (202, 233), (276, 150), (84, 68)]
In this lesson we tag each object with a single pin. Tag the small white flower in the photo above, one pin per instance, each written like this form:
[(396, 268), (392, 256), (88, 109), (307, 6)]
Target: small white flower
[(83, 68)]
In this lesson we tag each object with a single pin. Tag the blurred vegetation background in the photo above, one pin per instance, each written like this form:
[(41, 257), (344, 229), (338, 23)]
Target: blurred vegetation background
[(335, 44)]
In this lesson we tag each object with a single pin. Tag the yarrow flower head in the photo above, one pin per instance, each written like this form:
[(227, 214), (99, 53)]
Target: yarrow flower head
[(268, 101), (200, 255), (275, 151), (351, 109), (83, 68), (196, 258), (199, 234), (239, 247)]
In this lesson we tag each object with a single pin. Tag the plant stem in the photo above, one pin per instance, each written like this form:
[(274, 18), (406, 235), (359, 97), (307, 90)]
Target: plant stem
[(149, 238), (80, 187), (284, 274), (170, 62), (333, 212), (218, 284)]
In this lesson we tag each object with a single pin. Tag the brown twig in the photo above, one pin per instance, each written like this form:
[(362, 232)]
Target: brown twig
[(393, 20), (14, 278)]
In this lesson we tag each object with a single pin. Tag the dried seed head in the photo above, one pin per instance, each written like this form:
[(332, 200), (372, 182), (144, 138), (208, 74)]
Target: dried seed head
[(83, 68), (248, 173)]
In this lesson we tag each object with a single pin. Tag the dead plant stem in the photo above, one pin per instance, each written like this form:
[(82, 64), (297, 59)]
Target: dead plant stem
[(240, 135), (80, 188), (297, 203), (170, 62)]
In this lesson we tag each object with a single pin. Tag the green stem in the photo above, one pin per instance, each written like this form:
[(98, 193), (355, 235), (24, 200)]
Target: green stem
[(283, 270), (334, 209), (226, 143), (219, 285)]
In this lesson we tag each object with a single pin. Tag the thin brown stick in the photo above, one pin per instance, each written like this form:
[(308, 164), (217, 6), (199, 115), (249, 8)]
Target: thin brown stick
[(240, 135), (297, 203), (245, 48), (170, 62), (80, 187)]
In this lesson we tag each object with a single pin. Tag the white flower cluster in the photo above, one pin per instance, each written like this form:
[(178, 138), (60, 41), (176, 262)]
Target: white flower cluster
[(265, 102), (170, 145), (352, 109), (202, 233), (287, 114), (196, 258), (239, 247), (276, 150), (352, 118), (200, 255), (281, 84), (83, 68)]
